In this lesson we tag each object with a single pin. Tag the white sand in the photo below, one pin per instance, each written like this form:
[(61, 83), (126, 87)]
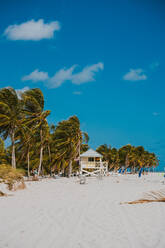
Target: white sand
[(61, 213)]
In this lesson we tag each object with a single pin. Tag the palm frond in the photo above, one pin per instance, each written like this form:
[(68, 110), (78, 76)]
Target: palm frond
[(153, 196)]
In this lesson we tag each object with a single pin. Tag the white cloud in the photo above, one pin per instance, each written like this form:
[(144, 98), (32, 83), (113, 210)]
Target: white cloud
[(60, 77), (20, 91), (32, 30), (77, 93), (63, 75), (84, 76), (155, 113), (36, 76), (87, 74), (135, 75)]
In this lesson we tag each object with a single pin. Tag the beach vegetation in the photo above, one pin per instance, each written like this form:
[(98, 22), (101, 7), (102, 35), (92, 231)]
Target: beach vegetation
[(128, 157), (11, 176), (10, 117), (37, 145)]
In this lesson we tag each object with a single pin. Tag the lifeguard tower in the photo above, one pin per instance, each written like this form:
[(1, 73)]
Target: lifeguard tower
[(91, 164)]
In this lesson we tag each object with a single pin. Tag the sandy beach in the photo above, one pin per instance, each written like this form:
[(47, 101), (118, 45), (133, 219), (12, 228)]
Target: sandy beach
[(62, 213)]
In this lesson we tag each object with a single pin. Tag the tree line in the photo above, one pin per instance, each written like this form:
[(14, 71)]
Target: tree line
[(128, 157), (35, 144)]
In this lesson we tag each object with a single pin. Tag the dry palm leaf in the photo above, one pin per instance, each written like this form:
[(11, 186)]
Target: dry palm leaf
[(152, 196), (2, 194)]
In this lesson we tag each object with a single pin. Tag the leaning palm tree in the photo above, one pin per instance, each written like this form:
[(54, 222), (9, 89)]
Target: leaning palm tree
[(10, 117), (115, 159), (78, 137), (151, 160), (106, 151), (2, 146), (36, 116), (3, 155), (68, 140), (24, 145)]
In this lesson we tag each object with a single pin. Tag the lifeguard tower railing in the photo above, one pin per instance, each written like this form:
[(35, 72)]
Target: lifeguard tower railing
[(93, 168)]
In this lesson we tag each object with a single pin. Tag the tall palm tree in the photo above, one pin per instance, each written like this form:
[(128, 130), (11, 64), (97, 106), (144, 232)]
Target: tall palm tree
[(10, 117), (106, 151), (133, 157), (36, 116), (26, 141), (2, 146), (68, 139), (3, 155), (125, 155), (115, 164)]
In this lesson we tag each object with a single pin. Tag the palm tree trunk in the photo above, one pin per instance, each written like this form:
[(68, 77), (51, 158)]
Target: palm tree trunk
[(126, 163), (49, 153), (50, 159), (41, 154), (13, 161), (79, 156), (28, 160), (134, 167), (40, 164), (111, 166), (70, 168)]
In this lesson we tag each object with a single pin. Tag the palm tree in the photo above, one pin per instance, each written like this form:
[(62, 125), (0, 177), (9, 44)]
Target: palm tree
[(125, 154), (133, 156), (10, 117), (106, 151), (115, 164), (153, 160), (148, 160), (68, 140), (36, 116), (26, 140), (111, 155), (84, 148), (2, 146), (3, 156)]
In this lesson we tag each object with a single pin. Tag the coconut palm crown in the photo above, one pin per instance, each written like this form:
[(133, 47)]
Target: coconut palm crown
[(10, 116)]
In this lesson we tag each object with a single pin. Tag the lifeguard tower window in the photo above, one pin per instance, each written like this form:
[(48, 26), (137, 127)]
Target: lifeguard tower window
[(90, 159), (97, 159)]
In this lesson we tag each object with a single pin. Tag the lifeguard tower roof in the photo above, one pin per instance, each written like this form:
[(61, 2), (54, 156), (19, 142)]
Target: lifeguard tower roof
[(91, 153)]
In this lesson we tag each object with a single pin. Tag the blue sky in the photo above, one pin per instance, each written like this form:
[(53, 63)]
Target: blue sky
[(101, 60)]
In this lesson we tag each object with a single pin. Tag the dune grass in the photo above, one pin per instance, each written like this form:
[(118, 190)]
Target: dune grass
[(12, 177)]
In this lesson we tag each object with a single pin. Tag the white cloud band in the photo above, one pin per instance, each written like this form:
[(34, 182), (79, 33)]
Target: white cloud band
[(36, 76), (63, 75), (32, 30), (135, 75)]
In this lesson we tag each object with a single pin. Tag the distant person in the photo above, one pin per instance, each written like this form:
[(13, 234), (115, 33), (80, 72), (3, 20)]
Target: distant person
[(140, 172), (164, 179), (35, 173)]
